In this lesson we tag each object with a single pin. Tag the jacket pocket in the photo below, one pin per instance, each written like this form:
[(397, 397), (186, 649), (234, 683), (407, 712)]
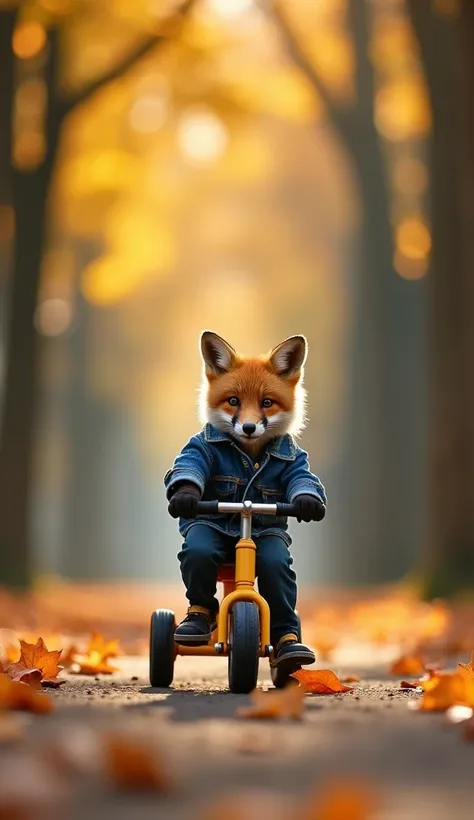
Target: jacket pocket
[(225, 487), (270, 495)]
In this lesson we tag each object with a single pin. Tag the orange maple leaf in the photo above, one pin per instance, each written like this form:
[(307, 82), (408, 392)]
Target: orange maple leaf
[(321, 682), (341, 800), (133, 765), (95, 659), (279, 703), (447, 689), (36, 657), (17, 695), (411, 665)]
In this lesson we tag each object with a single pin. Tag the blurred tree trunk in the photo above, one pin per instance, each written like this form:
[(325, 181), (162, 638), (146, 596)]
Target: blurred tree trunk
[(30, 192), (379, 498), (7, 25), (446, 46)]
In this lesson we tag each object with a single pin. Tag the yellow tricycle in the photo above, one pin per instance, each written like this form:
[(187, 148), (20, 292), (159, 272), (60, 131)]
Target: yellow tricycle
[(243, 622)]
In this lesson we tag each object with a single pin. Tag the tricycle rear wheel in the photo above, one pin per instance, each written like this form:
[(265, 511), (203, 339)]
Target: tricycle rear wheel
[(162, 648), (244, 647)]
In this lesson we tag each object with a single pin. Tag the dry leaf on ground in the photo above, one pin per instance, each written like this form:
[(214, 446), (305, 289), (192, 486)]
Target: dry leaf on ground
[(350, 679), (321, 682), (446, 689), (411, 665), (405, 684), (36, 658), (279, 703), (18, 695), (340, 800), (95, 659), (133, 765), (469, 667)]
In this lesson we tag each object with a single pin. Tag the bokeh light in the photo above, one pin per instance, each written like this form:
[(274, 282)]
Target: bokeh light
[(29, 39), (230, 8), (402, 111), (202, 136), (148, 113), (413, 238), (53, 317), (108, 280), (410, 269), (410, 176), (29, 150)]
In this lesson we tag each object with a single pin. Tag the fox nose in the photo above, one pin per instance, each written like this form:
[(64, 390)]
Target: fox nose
[(249, 428)]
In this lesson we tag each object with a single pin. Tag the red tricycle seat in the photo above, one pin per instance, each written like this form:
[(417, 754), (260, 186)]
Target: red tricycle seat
[(226, 573)]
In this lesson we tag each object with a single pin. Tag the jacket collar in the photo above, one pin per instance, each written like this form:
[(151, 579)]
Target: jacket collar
[(282, 447)]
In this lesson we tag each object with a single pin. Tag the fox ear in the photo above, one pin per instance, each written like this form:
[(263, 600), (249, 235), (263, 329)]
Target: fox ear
[(217, 354), (288, 358)]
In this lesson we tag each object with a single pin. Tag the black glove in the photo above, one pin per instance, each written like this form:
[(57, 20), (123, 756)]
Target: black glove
[(309, 508), (184, 501)]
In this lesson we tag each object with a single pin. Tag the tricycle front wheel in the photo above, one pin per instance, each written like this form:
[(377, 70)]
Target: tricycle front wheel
[(244, 647)]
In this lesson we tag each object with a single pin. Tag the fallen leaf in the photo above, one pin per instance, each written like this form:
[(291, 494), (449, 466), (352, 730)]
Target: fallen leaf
[(36, 657), (321, 682), (447, 689), (133, 765), (30, 676), (469, 667), (350, 679), (278, 703), (95, 659), (108, 649), (411, 665), (18, 695), (405, 684), (340, 800)]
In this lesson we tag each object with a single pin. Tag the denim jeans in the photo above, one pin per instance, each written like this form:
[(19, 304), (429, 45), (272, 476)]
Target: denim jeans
[(206, 548)]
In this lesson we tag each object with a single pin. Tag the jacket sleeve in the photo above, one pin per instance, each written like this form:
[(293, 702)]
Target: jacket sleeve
[(192, 465), (299, 480)]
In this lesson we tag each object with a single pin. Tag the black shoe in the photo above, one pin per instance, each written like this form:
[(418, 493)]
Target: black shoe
[(196, 628), (291, 656)]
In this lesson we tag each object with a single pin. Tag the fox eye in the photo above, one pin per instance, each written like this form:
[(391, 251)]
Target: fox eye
[(267, 402), (233, 401)]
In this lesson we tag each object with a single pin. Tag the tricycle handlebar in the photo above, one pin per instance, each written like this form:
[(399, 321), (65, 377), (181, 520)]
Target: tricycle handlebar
[(245, 507)]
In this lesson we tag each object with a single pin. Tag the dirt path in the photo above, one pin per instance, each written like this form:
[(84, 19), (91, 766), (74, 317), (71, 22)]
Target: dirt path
[(422, 767)]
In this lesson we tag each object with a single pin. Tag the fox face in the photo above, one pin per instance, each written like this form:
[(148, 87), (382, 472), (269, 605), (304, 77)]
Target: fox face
[(253, 399)]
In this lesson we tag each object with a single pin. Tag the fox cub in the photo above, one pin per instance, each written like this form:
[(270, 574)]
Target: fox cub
[(251, 409)]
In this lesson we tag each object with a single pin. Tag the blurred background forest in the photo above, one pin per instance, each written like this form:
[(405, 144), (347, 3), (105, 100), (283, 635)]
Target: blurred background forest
[(259, 169)]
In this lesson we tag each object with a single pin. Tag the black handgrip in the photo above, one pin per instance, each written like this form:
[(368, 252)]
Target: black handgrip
[(204, 507), (286, 509)]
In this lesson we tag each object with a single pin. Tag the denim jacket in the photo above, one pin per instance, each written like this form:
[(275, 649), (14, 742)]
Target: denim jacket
[(214, 461)]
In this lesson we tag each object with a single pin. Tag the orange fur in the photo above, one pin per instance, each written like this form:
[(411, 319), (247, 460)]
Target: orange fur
[(251, 380)]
